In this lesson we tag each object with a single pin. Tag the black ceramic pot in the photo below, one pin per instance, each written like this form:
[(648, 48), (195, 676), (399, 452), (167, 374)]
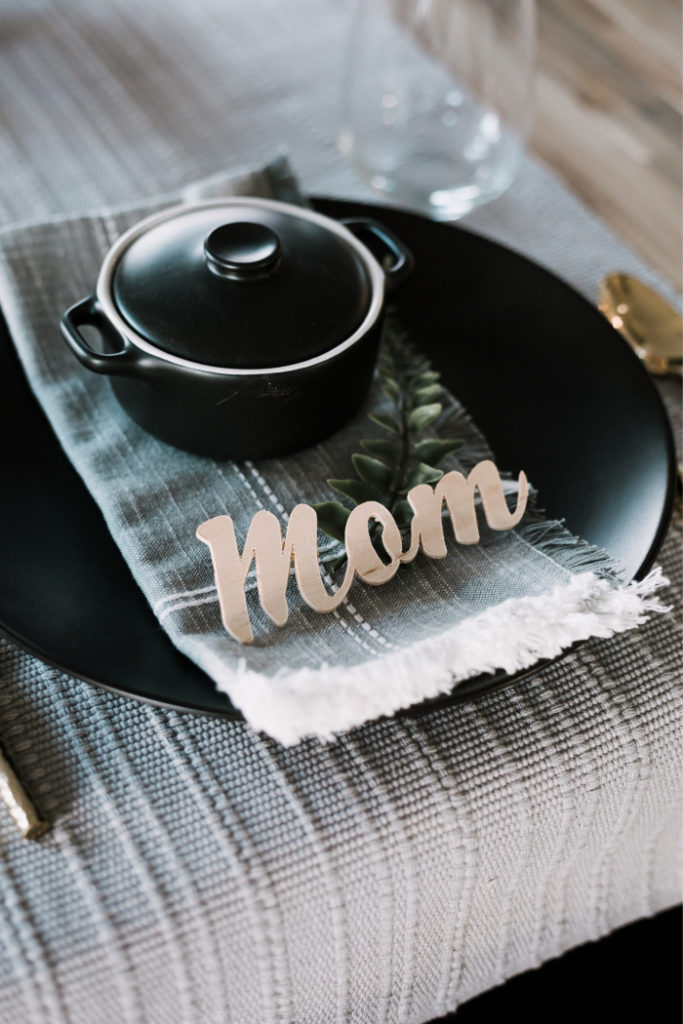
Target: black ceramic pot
[(240, 328)]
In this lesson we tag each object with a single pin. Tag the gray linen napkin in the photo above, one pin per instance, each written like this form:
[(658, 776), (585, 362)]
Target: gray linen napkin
[(517, 597)]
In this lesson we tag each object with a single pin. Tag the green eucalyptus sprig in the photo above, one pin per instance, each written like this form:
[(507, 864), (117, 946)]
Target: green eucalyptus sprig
[(390, 466)]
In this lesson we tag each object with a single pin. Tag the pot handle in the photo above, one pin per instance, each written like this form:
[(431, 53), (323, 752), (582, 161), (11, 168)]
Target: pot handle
[(394, 258), (122, 360)]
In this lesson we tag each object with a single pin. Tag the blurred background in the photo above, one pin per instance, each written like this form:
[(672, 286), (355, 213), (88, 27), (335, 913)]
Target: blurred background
[(608, 115)]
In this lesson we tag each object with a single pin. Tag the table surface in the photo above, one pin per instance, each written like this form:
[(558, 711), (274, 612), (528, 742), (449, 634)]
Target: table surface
[(195, 871), (608, 116)]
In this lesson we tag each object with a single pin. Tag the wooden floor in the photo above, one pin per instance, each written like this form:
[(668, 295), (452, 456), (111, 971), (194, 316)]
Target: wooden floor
[(609, 115)]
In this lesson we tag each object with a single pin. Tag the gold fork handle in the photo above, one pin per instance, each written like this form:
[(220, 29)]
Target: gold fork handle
[(18, 803)]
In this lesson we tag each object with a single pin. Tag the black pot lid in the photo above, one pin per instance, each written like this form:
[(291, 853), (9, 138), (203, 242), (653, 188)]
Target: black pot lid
[(242, 285)]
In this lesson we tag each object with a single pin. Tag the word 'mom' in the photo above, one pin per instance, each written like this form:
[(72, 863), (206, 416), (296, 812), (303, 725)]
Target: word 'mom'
[(273, 557)]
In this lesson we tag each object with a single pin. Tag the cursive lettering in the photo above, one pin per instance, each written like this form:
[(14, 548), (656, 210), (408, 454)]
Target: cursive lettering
[(273, 557)]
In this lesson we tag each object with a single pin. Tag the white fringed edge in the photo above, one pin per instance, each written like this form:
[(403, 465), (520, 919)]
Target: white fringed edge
[(510, 636)]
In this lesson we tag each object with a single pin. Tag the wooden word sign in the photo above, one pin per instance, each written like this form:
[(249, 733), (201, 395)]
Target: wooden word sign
[(273, 557)]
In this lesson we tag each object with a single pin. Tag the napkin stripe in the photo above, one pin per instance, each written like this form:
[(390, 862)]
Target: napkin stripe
[(348, 627)]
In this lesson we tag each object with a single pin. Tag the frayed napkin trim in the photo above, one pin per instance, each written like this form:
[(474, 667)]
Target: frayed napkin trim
[(511, 636)]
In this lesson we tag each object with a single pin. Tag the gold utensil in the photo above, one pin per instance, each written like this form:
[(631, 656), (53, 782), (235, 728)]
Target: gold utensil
[(18, 803), (650, 325)]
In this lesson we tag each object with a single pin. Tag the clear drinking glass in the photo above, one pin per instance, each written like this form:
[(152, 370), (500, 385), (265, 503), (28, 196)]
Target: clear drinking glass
[(437, 99)]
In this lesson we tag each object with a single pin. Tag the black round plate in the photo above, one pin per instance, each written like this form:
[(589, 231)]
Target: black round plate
[(554, 388)]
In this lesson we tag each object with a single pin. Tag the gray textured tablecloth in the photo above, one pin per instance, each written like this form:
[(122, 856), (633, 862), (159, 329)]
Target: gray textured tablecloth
[(195, 871)]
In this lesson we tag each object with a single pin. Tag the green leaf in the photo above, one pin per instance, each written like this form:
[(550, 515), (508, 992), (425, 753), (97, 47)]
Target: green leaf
[(356, 490), (387, 365), (403, 514), (434, 449), (417, 367), (386, 421), (408, 379), (384, 450), (372, 471), (424, 379), (424, 415), (392, 390), (332, 516), (428, 395), (423, 474)]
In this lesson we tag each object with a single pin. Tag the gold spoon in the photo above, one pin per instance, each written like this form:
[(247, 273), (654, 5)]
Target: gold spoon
[(650, 325)]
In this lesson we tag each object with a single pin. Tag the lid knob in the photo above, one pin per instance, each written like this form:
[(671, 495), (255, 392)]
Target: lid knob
[(242, 250)]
